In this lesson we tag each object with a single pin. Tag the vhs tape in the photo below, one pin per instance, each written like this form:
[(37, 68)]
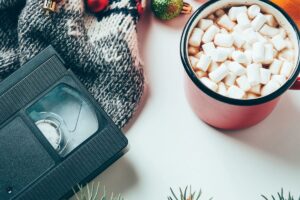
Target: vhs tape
[(53, 134)]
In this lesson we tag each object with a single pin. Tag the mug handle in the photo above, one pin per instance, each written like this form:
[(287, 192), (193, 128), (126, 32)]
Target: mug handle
[(296, 85)]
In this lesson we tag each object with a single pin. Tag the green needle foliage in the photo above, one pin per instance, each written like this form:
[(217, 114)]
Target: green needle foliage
[(186, 194), (93, 193), (280, 196)]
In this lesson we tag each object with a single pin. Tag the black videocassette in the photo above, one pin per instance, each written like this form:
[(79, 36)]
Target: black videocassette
[(53, 134)]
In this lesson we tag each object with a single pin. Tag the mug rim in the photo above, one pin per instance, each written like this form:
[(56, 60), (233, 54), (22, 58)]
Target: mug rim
[(215, 95)]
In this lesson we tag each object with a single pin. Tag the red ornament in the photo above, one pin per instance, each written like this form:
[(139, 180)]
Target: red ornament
[(139, 7), (96, 6)]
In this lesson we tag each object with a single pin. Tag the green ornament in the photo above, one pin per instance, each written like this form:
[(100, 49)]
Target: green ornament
[(169, 9)]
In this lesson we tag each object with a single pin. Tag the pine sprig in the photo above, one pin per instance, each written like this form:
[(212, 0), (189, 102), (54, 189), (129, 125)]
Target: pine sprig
[(280, 196), (93, 193), (186, 194)]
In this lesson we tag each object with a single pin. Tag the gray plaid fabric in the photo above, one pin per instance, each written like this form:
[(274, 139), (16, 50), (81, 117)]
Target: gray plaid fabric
[(100, 49)]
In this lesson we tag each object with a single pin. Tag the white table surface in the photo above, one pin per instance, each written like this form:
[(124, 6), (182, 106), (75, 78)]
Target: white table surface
[(171, 147)]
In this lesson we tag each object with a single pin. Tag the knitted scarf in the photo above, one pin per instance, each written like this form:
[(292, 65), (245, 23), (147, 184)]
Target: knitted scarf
[(100, 49)]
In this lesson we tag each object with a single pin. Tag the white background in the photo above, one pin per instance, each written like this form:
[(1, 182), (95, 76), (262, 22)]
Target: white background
[(171, 147)]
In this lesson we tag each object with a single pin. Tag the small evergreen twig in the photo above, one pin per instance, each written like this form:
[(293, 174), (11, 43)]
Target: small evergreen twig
[(185, 194), (94, 193), (281, 196)]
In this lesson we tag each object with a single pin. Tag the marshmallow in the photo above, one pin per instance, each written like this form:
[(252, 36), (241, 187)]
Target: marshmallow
[(219, 55), (210, 34), (247, 46), (243, 19), (282, 32), (289, 43), (253, 11), (230, 79), (286, 69), (269, 54), (220, 12), (212, 17), (213, 66), (279, 79), (193, 61), (219, 74), (239, 28), (258, 52), (250, 36), (236, 68), (239, 57), (193, 50), (251, 96), (248, 54), (243, 83), (203, 63), (225, 22), (205, 24), (275, 66), (195, 38), (235, 11), (256, 89), (210, 84), (253, 74), (271, 87), (228, 50), (222, 90), (279, 42), (199, 54), (227, 62), (275, 52), (223, 30), (238, 39), (258, 21), (269, 31), (271, 21), (261, 38), (201, 74), (235, 92), (265, 75), (286, 55), (223, 40), (208, 48)]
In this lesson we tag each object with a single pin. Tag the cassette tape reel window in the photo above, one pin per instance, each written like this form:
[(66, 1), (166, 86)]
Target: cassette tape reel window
[(65, 118)]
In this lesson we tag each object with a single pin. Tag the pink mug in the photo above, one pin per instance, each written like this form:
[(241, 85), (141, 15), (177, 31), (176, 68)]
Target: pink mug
[(227, 113)]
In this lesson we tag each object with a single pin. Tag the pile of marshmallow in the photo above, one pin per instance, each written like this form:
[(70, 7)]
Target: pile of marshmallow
[(241, 52)]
